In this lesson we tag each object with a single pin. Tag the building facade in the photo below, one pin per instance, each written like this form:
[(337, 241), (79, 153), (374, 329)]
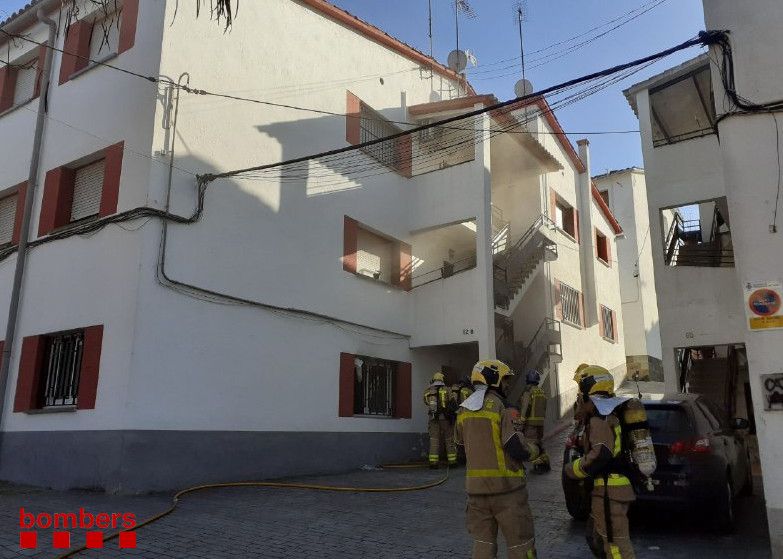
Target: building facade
[(285, 320), (625, 191), (710, 141)]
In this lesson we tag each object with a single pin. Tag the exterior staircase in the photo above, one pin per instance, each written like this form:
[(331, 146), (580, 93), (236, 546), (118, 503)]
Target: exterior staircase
[(516, 264)]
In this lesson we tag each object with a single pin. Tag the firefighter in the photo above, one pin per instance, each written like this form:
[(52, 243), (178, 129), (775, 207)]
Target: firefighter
[(533, 412), (495, 447), (461, 390), (603, 461), (440, 408)]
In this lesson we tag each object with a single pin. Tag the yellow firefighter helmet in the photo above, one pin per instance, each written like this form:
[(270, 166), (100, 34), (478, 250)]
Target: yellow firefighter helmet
[(594, 379), (490, 372), (438, 377)]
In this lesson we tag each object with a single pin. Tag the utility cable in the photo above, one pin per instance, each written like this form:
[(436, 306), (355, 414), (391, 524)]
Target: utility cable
[(267, 484)]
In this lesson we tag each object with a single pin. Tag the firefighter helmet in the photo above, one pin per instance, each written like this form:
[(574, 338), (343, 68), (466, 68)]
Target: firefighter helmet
[(595, 380), (533, 377), (490, 372), (579, 373), (438, 377)]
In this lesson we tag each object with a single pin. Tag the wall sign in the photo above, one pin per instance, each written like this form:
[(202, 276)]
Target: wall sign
[(772, 391), (764, 305)]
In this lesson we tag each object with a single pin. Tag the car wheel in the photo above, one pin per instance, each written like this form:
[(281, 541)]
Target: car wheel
[(724, 510)]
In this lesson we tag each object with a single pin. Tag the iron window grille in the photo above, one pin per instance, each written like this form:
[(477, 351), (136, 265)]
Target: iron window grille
[(374, 387), (569, 298), (607, 322), (61, 369), (373, 126)]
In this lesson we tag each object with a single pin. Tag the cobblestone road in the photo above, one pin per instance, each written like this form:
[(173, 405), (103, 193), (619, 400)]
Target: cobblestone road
[(278, 523)]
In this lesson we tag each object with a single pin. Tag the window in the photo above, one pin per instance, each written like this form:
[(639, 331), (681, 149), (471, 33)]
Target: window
[(87, 187), (608, 327), (698, 234), (374, 387), (105, 37), (370, 254), (602, 247), (81, 190), (59, 369), (8, 218), (565, 217), (683, 108), (19, 81), (571, 305)]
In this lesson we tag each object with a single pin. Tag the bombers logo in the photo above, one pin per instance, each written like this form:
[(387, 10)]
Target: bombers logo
[(60, 524)]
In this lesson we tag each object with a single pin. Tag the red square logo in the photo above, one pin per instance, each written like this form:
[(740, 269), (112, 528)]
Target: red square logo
[(127, 540), (28, 540), (94, 540), (61, 540)]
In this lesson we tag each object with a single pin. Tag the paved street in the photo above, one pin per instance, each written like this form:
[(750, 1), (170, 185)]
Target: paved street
[(278, 523)]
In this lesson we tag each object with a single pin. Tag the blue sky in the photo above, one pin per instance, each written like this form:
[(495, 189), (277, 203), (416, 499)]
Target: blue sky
[(493, 37)]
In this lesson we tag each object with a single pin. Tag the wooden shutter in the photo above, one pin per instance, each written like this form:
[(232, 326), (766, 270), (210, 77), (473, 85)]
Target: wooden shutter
[(110, 191), (91, 361), (347, 380), (87, 187), (28, 382), (558, 301), (128, 24), (57, 200), (76, 50), (402, 391), (353, 119), (608, 241), (553, 204), (350, 231), (7, 87)]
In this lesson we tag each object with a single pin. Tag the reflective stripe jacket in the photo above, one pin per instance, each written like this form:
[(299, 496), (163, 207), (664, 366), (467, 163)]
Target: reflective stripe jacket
[(436, 398), (494, 447), (602, 444), (460, 393), (533, 406)]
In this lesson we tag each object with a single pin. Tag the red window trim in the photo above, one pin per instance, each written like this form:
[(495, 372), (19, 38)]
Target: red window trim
[(402, 254), (615, 334), (31, 364), (76, 50), (7, 87), (20, 190), (58, 190), (403, 388), (599, 236)]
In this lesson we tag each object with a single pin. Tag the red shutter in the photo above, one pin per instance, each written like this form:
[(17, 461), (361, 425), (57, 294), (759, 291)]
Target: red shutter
[(582, 309), (350, 231), (353, 114), (7, 87), (558, 302), (347, 378), (130, 15), (601, 331), (21, 192), (553, 204), (111, 179), (57, 200), (42, 50), (608, 242), (576, 224), (91, 361), (76, 50), (615, 331), (402, 391), (28, 382)]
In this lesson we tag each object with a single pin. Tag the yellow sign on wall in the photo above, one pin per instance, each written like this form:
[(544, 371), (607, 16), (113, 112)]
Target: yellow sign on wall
[(764, 305)]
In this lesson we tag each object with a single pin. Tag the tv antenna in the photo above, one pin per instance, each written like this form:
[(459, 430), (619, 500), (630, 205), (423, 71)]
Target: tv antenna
[(523, 87)]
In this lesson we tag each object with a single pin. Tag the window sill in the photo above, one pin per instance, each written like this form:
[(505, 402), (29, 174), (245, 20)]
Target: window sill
[(18, 106), (73, 224), (610, 340), (572, 324), (52, 409), (363, 416), (568, 235), (377, 282), (92, 65), (604, 262)]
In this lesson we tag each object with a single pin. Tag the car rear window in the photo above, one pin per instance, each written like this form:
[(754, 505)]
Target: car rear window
[(667, 423)]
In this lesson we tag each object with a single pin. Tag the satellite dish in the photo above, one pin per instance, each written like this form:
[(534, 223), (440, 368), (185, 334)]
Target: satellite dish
[(458, 60), (523, 87)]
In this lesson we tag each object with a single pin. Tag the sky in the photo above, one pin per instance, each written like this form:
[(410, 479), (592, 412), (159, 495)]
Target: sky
[(493, 36)]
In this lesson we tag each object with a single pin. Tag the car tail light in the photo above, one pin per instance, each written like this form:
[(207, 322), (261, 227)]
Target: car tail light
[(691, 446)]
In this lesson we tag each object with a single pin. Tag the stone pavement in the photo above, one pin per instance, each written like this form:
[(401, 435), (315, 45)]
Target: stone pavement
[(284, 523)]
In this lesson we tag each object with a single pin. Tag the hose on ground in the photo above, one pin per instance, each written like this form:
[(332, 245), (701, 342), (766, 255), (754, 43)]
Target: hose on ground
[(279, 485)]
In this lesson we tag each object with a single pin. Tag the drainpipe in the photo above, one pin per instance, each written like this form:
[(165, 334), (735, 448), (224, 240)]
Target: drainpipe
[(32, 180), (587, 236)]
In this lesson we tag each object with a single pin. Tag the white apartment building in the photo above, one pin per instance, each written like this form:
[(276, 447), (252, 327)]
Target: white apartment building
[(291, 326), (716, 163), (625, 191)]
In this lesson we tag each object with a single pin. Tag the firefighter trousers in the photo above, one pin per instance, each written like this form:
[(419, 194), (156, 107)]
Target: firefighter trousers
[(442, 430), (620, 547), (508, 511)]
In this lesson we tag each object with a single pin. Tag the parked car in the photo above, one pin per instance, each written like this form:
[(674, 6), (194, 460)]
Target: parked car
[(703, 461)]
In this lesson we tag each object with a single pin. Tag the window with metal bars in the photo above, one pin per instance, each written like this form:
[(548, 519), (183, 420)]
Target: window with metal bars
[(61, 369), (607, 321), (374, 387), (569, 298), (373, 126), (7, 218)]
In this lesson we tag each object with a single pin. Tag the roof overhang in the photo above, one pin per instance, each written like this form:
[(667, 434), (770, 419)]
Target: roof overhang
[(664, 77)]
